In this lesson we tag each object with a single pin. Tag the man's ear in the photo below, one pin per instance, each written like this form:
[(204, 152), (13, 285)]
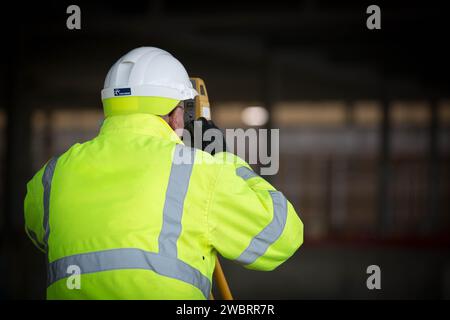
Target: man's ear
[(176, 119), (171, 121)]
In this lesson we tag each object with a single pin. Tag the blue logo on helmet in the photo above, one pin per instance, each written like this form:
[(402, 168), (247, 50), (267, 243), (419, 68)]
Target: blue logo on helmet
[(122, 91)]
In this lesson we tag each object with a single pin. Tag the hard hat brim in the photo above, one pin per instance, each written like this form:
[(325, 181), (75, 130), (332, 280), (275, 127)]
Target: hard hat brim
[(153, 90), (137, 104)]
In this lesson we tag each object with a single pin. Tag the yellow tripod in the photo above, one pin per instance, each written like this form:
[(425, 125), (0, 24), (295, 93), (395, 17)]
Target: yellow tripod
[(222, 284)]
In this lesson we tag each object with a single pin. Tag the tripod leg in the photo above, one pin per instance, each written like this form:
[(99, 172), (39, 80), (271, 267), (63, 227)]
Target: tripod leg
[(221, 281)]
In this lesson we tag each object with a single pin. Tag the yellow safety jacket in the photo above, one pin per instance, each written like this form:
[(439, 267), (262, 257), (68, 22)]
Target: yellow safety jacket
[(141, 216)]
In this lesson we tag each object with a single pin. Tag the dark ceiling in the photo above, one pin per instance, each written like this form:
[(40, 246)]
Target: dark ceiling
[(301, 50)]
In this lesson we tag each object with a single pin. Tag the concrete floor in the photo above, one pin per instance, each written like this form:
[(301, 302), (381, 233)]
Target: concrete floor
[(334, 272)]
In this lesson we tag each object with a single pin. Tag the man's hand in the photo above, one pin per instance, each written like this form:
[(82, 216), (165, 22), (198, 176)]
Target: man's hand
[(205, 135)]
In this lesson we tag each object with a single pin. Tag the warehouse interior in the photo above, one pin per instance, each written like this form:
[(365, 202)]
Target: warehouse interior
[(364, 120)]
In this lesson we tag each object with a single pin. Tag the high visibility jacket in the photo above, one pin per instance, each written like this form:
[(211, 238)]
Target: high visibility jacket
[(121, 217)]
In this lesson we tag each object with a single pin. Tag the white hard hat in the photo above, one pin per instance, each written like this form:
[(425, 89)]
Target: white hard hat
[(148, 72)]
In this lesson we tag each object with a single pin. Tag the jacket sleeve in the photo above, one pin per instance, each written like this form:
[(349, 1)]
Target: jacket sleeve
[(34, 211), (249, 221)]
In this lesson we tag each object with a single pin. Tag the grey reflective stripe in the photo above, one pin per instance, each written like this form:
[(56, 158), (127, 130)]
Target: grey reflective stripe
[(129, 258), (35, 239), (180, 174), (47, 183), (245, 173), (261, 242)]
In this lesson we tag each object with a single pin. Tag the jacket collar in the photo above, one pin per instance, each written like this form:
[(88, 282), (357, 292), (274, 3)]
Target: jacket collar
[(140, 123)]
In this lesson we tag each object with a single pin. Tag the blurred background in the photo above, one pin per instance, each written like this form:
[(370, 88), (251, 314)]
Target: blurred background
[(364, 119)]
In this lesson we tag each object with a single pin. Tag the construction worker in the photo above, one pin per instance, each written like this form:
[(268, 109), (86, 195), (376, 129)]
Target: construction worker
[(119, 217)]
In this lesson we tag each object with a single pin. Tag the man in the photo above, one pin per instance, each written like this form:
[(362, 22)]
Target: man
[(135, 214)]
